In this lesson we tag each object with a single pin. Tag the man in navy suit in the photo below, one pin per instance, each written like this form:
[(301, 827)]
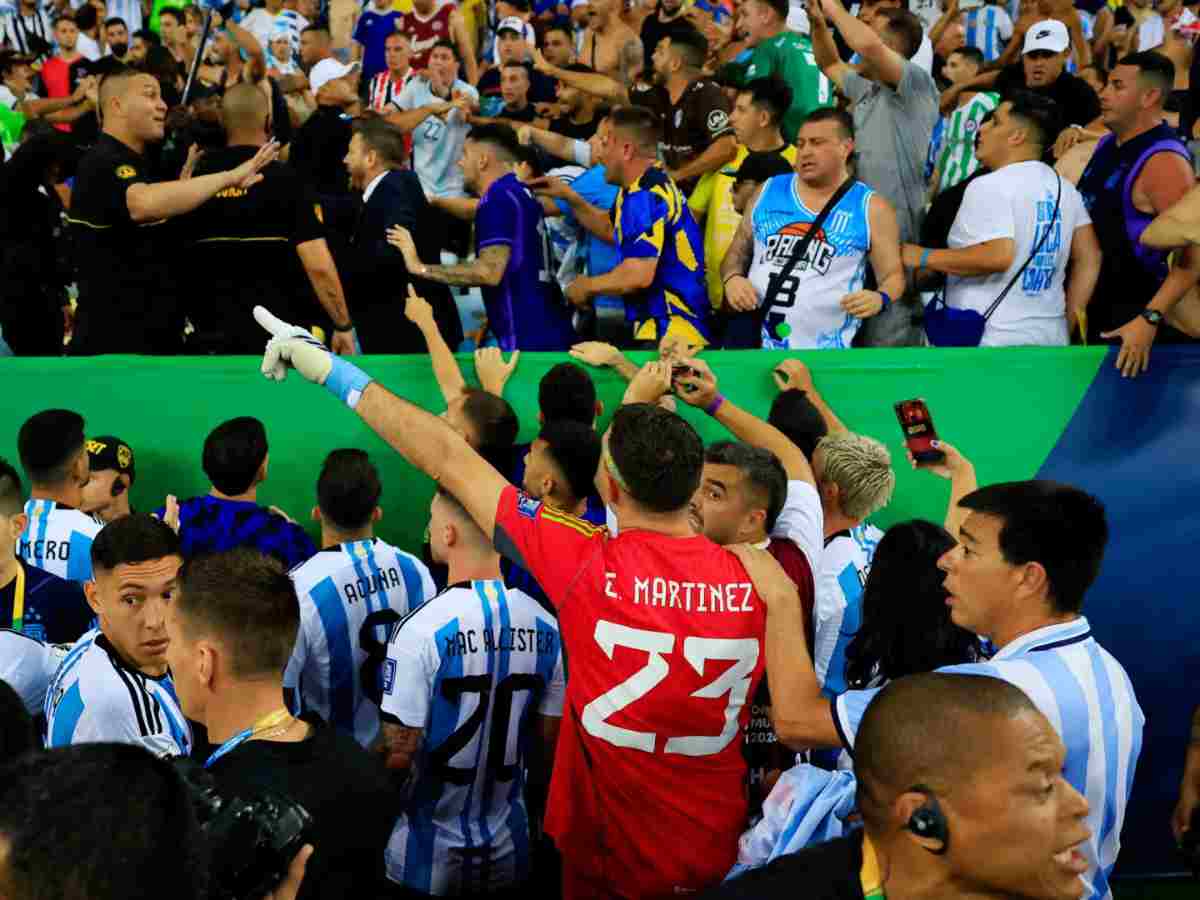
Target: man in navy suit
[(379, 278)]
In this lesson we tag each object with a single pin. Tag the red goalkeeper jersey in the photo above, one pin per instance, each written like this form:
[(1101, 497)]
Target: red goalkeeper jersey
[(663, 639)]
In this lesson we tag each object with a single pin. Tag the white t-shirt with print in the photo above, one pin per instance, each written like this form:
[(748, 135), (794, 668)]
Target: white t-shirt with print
[(1017, 202)]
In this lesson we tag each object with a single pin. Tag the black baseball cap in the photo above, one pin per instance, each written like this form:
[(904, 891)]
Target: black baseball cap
[(108, 452), (758, 167)]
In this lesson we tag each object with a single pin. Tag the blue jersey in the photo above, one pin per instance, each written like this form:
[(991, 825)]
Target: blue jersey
[(51, 608), (58, 539), (351, 596), (837, 607), (371, 32), (28, 666), (1088, 698), (96, 696), (602, 257), (651, 220), (525, 310), (211, 525), (468, 668)]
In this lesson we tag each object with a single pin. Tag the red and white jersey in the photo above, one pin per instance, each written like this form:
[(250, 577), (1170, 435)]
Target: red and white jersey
[(664, 638), (424, 33), (384, 89)]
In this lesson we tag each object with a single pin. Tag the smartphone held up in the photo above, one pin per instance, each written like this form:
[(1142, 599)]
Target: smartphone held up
[(919, 433)]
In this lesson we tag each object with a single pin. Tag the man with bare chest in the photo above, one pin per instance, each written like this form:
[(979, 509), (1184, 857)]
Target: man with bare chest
[(609, 45)]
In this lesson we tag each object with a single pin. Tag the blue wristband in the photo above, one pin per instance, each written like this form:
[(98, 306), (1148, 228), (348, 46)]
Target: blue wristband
[(887, 301), (347, 381), (924, 257)]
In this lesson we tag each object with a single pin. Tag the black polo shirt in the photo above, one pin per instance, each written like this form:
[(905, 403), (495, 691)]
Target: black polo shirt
[(1077, 102), (127, 293), (241, 251)]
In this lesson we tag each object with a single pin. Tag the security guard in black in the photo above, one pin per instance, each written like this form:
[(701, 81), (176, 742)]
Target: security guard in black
[(119, 216), (126, 299)]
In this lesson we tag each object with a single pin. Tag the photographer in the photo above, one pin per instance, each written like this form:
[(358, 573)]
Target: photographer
[(106, 822), (232, 628)]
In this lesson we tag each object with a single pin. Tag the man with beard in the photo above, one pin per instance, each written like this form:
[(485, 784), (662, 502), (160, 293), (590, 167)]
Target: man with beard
[(668, 15), (125, 287), (697, 138), (525, 311)]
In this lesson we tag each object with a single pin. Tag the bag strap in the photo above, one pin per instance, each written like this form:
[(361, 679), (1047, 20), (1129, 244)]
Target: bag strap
[(802, 247), (1034, 252)]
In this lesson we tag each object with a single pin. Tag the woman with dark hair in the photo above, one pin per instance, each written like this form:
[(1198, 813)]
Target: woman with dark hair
[(906, 629), (906, 625)]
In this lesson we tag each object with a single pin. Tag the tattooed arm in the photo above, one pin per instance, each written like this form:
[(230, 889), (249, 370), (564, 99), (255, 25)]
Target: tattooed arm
[(486, 269), (739, 292)]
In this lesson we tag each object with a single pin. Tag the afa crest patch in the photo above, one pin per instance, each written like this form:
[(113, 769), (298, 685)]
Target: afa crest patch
[(527, 506), (126, 172)]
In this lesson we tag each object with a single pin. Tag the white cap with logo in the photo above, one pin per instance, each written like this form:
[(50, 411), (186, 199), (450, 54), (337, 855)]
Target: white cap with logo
[(328, 70), (518, 25), (1049, 34)]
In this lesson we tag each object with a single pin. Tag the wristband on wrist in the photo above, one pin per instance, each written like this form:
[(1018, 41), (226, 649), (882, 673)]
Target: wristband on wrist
[(887, 301), (347, 381), (712, 408), (924, 257), (349, 326), (734, 275)]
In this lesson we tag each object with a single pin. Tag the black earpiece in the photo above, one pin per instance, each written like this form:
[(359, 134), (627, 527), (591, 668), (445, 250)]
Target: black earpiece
[(118, 487), (928, 821)]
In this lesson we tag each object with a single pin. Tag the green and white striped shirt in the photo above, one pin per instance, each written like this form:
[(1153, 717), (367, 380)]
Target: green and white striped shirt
[(956, 160)]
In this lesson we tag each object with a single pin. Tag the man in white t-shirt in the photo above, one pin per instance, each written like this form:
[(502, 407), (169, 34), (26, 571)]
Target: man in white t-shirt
[(1005, 217), (433, 111)]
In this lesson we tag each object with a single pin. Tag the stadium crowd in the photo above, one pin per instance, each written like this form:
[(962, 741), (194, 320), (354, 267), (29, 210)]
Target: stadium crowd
[(623, 663), (773, 175)]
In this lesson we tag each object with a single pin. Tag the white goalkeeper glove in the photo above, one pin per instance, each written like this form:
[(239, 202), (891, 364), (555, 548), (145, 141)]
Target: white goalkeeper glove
[(292, 346)]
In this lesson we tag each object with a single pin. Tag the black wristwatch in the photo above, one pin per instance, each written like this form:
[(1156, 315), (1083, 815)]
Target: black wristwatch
[(1153, 316), (349, 326)]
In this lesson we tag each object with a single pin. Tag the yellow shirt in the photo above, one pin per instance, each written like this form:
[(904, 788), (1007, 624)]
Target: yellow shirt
[(713, 199)]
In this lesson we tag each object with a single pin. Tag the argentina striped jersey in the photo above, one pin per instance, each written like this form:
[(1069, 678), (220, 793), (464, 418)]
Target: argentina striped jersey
[(837, 614), (95, 696), (351, 596), (27, 666), (58, 539), (468, 668), (1088, 698)]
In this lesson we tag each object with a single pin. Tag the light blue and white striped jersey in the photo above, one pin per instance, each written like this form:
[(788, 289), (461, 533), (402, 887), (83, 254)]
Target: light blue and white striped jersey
[(468, 668), (351, 596), (437, 143), (837, 609), (96, 696), (59, 540), (1088, 698), (28, 665), (129, 10), (1087, 24), (989, 28)]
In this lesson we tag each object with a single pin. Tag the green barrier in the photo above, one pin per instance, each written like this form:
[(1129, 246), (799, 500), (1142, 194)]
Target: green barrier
[(1004, 408)]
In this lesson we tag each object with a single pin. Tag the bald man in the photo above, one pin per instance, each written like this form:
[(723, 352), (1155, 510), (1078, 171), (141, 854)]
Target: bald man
[(961, 791), (126, 294), (258, 242)]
